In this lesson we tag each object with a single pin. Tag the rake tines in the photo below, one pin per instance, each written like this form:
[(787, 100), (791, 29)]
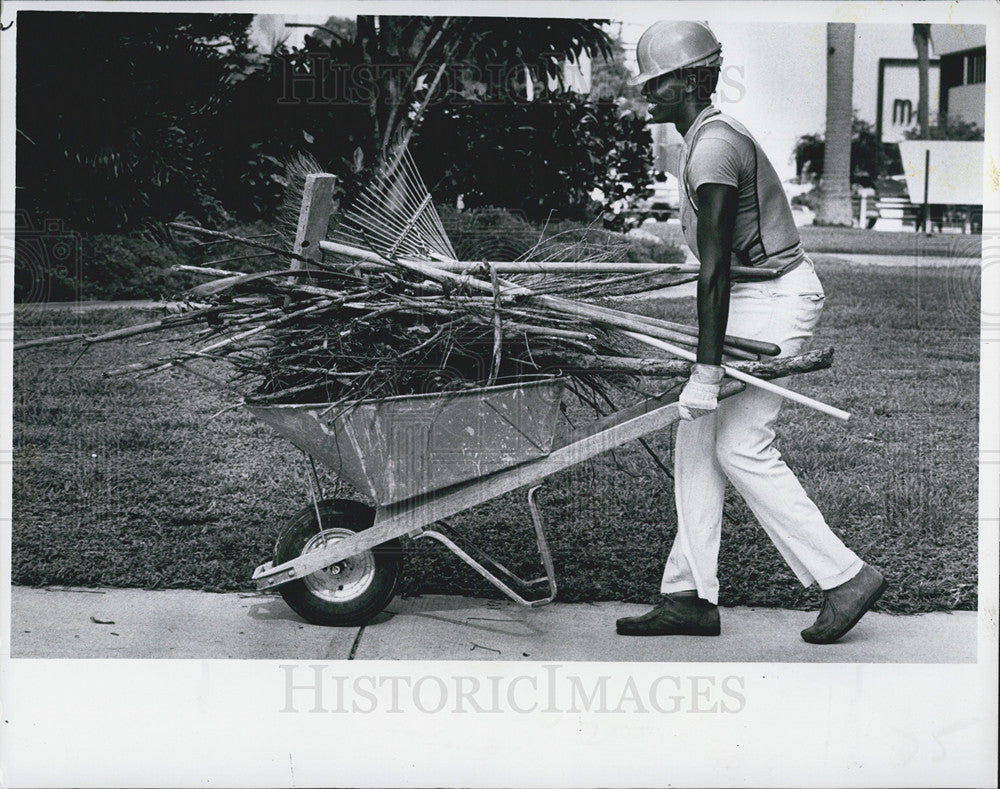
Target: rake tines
[(394, 214)]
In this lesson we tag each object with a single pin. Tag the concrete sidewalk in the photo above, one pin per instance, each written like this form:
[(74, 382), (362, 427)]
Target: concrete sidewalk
[(133, 623)]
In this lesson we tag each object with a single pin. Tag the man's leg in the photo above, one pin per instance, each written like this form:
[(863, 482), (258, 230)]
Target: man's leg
[(699, 491), (690, 585), (795, 525), (746, 452)]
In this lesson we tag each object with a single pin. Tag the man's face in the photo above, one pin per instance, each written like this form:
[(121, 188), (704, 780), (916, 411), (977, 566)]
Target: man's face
[(665, 95)]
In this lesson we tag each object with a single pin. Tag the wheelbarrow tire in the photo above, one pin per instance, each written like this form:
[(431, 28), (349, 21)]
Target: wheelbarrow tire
[(352, 592)]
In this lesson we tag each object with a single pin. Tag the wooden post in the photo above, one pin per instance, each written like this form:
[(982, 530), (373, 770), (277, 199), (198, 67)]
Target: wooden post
[(314, 215)]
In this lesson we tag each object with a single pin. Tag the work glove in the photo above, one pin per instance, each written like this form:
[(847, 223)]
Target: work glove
[(701, 393)]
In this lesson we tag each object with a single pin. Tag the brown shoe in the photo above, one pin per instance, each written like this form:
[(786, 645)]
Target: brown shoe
[(844, 605), (674, 616)]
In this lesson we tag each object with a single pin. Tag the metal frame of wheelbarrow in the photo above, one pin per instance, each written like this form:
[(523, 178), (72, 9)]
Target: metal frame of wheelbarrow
[(424, 515)]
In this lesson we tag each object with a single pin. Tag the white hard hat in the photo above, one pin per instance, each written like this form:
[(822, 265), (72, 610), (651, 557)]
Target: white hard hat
[(670, 45)]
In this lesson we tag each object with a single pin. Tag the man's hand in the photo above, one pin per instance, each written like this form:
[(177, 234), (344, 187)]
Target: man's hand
[(701, 393)]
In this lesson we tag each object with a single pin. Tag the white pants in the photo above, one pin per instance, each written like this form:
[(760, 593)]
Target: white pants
[(737, 441)]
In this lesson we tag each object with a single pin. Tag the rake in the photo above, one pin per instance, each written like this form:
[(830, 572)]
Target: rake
[(394, 215)]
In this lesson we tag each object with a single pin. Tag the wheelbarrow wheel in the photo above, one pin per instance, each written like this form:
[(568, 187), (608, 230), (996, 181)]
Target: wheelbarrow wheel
[(351, 592)]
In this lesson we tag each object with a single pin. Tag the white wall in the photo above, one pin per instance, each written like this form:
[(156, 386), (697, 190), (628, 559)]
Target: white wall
[(969, 102)]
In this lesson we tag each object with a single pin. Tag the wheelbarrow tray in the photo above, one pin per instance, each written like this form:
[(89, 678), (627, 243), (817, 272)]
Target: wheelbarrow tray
[(400, 447), (415, 515)]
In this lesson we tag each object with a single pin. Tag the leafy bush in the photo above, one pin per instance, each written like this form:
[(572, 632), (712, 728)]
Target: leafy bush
[(542, 158), (131, 128), (870, 159), (130, 267), (67, 267), (949, 127), (178, 114)]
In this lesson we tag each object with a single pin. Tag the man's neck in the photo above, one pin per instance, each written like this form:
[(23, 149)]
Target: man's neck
[(688, 115)]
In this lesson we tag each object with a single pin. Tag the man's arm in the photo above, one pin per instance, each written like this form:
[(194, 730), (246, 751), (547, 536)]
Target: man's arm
[(716, 221)]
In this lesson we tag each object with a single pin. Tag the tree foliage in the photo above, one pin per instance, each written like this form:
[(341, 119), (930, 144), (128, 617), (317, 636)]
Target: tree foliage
[(869, 159), (538, 157), (119, 115), (949, 127), (471, 95), (393, 67), (152, 116)]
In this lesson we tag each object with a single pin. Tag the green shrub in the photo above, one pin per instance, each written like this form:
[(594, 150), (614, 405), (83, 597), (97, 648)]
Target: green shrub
[(130, 267), (543, 158)]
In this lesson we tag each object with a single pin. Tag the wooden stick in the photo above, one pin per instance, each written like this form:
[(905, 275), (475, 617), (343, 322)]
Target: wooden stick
[(211, 272), (546, 331), (542, 266), (56, 340), (160, 366), (314, 216), (171, 321), (217, 286), (616, 318), (781, 367), (744, 344), (627, 320), (751, 347), (732, 372)]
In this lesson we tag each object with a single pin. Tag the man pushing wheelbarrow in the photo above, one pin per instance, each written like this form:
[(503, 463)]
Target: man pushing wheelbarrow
[(733, 205), (432, 384)]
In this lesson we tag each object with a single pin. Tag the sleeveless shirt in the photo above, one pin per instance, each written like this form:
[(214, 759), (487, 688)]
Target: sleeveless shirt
[(718, 149)]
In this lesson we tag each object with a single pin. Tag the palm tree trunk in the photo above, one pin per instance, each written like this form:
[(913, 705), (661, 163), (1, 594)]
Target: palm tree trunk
[(835, 202), (921, 39)]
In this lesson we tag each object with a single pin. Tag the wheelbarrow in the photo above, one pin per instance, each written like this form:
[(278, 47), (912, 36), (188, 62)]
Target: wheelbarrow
[(423, 459)]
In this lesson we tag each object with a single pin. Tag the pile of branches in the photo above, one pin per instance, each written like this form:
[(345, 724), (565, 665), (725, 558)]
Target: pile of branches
[(344, 332), (340, 335), (365, 326)]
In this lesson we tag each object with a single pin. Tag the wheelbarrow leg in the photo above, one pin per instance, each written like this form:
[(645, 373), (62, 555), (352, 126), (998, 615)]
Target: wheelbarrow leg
[(315, 492), (543, 545), (503, 579)]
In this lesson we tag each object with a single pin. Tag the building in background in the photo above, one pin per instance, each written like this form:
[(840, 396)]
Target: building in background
[(962, 52), (899, 95)]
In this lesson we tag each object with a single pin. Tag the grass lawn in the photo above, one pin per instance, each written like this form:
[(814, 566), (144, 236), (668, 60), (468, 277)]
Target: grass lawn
[(122, 482)]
